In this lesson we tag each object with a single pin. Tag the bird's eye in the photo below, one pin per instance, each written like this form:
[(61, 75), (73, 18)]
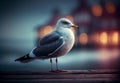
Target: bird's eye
[(64, 22)]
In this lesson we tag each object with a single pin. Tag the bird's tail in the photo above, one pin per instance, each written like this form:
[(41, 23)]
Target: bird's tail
[(25, 59)]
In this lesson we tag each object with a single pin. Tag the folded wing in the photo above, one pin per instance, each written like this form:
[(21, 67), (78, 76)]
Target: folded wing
[(49, 45)]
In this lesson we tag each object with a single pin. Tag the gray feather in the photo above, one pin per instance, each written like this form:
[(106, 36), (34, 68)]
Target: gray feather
[(49, 45)]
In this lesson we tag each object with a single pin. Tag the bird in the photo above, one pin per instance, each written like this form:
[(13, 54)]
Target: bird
[(53, 45)]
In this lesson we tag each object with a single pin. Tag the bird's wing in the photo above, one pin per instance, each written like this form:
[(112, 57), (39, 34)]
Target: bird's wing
[(49, 45), (50, 38)]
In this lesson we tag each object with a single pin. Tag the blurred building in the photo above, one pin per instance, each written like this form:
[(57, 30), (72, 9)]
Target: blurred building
[(99, 22)]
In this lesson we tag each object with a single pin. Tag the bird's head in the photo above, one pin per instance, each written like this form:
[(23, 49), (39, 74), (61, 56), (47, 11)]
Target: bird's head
[(65, 23)]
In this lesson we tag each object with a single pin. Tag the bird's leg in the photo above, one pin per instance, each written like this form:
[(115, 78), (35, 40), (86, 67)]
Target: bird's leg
[(57, 68), (57, 64), (51, 69)]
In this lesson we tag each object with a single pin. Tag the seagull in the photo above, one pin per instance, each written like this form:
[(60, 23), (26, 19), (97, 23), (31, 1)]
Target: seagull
[(58, 43)]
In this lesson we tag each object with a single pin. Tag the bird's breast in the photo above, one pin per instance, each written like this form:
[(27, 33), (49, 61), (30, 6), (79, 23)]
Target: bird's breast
[(69, 39)]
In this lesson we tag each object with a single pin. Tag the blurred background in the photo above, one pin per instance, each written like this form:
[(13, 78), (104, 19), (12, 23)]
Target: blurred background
[(97, 42)]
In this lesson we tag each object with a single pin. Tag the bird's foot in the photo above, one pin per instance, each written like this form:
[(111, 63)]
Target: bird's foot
[(58, 71)]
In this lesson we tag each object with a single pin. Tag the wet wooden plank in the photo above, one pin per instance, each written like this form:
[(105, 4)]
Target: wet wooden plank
[(104, 80), (67, 72), (71, 76)]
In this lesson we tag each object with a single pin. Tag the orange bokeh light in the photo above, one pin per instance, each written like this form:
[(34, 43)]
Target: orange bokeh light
[(83, 38), (110, 7), (45, 30), (115, 38), (96, 10), (103, 38)]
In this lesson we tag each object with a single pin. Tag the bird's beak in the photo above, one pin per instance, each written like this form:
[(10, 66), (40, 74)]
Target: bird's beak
[(75, 26)]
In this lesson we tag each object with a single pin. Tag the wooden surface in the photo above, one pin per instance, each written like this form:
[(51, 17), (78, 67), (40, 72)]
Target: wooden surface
[(71, 76)]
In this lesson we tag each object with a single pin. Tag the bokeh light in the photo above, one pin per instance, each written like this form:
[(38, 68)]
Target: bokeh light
[(44, 31), (103, 38), (83, 38), (115, 38), (96, 10), (110, 7)]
